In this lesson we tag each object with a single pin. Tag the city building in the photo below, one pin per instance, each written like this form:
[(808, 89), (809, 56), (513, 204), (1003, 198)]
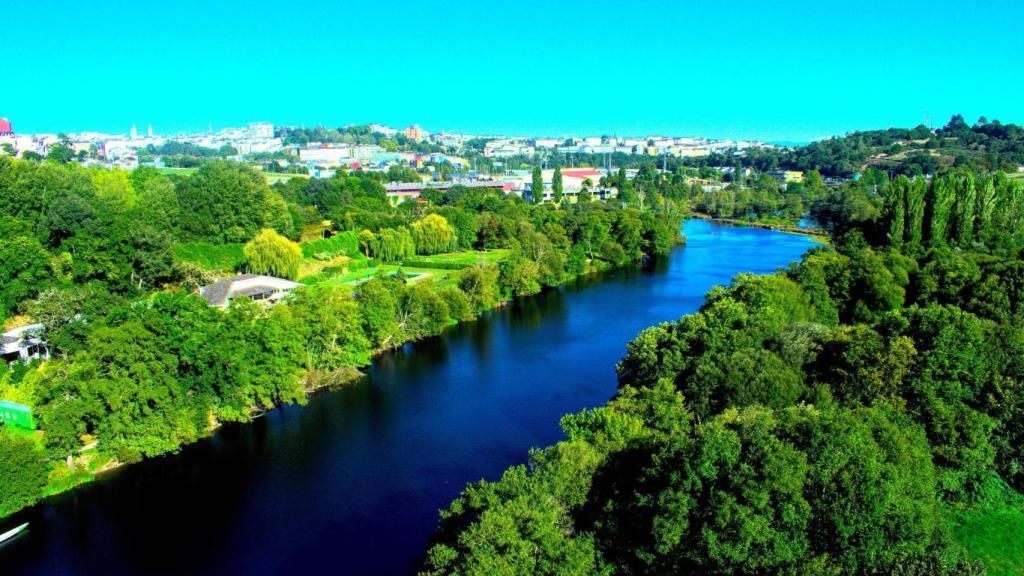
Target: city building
[(383, 130), (415, 134), (325, 155), (787, 176), (256, 287), (399, 192), (261, 130)]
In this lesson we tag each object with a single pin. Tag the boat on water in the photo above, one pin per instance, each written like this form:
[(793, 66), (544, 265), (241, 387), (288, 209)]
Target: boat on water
[(13, 532)]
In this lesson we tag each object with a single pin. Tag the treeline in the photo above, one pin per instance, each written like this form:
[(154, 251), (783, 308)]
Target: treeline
[(827, 419), (184, 154), (142, 365), (356, 135), (984, 145), (67, 227)]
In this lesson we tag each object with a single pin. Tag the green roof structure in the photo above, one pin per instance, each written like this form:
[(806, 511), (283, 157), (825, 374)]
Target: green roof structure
[(14, 414)]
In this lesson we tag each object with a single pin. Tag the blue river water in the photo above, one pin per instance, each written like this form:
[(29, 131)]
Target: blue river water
[(352, 482)]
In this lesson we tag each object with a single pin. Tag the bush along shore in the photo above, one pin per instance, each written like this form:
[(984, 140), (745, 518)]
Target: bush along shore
[(860, 412), (141, 365)]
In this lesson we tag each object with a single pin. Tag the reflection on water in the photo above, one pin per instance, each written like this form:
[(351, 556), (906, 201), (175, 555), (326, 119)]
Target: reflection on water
[(352, 481)]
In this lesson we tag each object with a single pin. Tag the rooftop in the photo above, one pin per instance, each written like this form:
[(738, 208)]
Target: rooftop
[(222, 291)]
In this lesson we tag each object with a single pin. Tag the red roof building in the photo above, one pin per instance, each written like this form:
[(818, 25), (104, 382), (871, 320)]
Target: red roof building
[(5, 127)]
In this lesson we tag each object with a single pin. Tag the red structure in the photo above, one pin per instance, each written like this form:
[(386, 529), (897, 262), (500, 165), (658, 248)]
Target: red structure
[(5, 127)]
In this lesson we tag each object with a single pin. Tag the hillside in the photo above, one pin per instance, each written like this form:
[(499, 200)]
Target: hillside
[(985, 145)]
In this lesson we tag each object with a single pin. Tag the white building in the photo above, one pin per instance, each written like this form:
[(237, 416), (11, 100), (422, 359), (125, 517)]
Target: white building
[(24, 344), (261, 130), (267, 289), (332, 156)]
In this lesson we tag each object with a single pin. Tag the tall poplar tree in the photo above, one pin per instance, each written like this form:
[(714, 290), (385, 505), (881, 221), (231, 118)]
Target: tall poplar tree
[(915, 211), (966, 195), (896, 209), (627, 194), (938, 207), (538, 185), (556, 184), (986, 205)]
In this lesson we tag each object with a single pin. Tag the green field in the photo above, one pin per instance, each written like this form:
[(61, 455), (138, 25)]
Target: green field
[(226, 258), (177, 171), (994, 538), (466, 259), (438, 278)]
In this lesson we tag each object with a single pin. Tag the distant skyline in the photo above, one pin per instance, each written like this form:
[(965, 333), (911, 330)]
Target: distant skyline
[(772, 71)]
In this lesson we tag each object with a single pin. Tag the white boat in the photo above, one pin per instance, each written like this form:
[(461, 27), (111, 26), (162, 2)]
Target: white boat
[(12, 533)]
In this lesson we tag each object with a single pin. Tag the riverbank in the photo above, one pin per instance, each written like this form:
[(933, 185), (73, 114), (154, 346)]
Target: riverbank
[(817, 234), (305, 485), (91, 461)]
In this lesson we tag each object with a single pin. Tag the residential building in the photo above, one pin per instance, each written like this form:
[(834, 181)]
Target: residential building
[(261, 130), (24, 344), (382, 129), (256, 287), (415, 134), (324, 155), (787, 176)]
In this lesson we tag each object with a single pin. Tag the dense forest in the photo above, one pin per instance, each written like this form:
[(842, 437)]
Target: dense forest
[(846, 415), (109, 263), (992, 146)]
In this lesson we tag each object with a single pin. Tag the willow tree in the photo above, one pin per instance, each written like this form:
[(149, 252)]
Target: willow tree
[(394, 245), (270, 253), (433, 234), (367, 243)]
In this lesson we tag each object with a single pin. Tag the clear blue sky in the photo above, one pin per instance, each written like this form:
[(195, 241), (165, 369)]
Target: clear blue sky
[(773, 70)]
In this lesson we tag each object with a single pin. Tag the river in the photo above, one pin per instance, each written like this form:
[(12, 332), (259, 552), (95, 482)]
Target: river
[(352, 482)]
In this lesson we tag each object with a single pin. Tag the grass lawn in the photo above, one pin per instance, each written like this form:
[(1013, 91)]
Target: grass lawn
[(273, 177), (439, 279), (178, 171), (994, 538), (467, 258), (311, 266)]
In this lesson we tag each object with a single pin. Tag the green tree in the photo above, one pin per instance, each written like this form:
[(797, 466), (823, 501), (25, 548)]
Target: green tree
[(60, 152), (432, 234), (480, 283), (627, 194), (368, 243), (332, 325), (23, 472), (242, 206), (24, 271), (537, 186), (273, 254), (556, 185)]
